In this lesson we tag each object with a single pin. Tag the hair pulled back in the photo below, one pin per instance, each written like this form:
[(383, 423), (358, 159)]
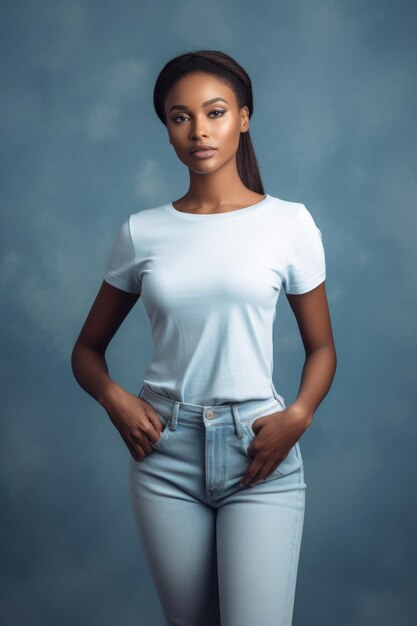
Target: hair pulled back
[(225, 68)]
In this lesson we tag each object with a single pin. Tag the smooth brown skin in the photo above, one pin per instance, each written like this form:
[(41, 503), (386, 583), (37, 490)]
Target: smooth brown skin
[(215, 187)]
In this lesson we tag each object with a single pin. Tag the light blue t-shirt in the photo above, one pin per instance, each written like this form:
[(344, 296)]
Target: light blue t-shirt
[(210, 286)]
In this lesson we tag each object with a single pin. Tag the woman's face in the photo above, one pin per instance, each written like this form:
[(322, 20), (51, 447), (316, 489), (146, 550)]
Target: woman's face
[(191, 120)]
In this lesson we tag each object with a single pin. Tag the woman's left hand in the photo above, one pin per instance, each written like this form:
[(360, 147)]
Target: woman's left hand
[(276, 434)]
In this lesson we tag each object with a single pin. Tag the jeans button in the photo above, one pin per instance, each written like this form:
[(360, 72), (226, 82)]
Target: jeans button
[(209, 414)]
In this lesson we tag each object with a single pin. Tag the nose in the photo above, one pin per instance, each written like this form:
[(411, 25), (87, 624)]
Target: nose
[(198, 129)]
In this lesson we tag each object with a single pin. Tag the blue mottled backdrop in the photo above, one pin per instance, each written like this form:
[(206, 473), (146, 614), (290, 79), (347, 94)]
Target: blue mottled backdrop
[(81, 148)]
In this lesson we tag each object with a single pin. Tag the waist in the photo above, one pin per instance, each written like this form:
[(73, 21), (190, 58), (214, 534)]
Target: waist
[(247, 409)]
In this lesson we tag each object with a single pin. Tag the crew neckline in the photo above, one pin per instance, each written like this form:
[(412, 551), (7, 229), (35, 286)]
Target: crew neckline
[(217, 216)]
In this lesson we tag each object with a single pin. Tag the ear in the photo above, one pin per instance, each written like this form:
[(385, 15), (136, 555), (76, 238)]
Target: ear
[(244, 123)]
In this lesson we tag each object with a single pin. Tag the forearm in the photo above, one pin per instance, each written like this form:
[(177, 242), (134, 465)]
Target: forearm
[(92, 374), (316, 379)]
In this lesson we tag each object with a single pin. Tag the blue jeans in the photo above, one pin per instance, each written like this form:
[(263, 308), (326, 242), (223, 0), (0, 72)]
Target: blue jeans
[(219, 554)]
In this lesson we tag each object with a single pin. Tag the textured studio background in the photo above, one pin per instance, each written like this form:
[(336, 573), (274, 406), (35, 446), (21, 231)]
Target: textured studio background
[(81, 148)]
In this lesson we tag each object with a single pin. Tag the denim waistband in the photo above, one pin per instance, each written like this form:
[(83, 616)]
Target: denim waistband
[(237, 413)]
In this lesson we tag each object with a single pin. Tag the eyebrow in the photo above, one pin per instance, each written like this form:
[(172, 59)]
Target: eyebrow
[(183, 107)]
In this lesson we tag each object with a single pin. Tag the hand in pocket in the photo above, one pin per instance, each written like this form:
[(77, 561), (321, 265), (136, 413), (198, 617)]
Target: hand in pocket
[(137, 422), (275, 435)]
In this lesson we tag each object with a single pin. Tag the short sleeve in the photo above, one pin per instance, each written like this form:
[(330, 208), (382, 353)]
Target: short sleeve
[(121, 269), (305, 266)]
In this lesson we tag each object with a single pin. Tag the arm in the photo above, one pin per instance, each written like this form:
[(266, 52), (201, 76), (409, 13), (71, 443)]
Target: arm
[(313, 318), (135, 419), (88, 362), (275, 437)]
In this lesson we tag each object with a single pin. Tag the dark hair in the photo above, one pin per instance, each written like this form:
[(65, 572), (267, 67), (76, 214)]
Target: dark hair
[(232, 74)]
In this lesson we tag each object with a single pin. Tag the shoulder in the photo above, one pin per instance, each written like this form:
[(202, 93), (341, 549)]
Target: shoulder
[(147, 221), (294, 213), (148, 214), (287, 214)]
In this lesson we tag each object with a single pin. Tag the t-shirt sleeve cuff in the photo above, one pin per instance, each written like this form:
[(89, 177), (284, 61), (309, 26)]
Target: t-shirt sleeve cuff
[(115, 281), (308, 285)]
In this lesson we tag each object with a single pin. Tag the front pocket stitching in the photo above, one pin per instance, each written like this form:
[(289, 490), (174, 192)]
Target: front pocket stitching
[(262, 413), (248, 427)]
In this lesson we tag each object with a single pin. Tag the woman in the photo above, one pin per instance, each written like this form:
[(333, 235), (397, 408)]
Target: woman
[(216, 473)]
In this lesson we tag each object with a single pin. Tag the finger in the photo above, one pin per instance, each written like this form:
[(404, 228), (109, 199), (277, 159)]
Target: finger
[(151, 436), (145, 444), (257, 424), (148, 433), (267, 470), (252, 474), (141, 453), (154, 421), (136, 451)]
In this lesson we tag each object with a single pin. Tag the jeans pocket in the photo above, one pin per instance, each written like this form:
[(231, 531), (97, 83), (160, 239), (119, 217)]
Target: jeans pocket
[(293, 462), (165, 433), (250, 421)]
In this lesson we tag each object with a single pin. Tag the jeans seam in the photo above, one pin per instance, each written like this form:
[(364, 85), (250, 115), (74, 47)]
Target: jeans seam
[(291, 576)]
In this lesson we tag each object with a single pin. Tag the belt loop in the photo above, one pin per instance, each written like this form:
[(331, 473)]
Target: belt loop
[(174, 416), (238, 425)]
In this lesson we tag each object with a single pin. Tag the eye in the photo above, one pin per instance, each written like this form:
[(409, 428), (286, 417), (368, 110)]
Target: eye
[(177, 118), (182, 117), (218, 111)]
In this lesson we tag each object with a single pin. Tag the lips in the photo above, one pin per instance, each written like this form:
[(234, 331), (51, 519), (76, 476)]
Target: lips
[(201, 148)]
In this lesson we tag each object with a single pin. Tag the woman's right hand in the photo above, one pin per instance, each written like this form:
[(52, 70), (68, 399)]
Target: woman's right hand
[(137, 422)]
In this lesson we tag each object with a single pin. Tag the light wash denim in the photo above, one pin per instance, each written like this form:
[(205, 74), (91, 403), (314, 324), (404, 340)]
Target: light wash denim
[(219, 554)]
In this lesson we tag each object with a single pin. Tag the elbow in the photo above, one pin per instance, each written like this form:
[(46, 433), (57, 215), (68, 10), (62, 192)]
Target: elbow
[(329, 351), (76, 356), (334, 353), (333, 358)]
